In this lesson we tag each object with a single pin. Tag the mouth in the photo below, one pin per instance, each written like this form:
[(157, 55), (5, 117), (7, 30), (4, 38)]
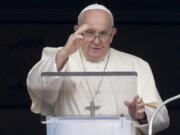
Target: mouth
[(95, 49)]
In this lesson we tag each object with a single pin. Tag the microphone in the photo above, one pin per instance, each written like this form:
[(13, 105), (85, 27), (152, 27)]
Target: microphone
[(157, 110)]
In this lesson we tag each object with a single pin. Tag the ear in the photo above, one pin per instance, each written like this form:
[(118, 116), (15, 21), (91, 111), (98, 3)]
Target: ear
[(76, 27), (114, 31)]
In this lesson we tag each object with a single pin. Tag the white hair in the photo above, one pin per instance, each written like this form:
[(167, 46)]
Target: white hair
[(95, 6)]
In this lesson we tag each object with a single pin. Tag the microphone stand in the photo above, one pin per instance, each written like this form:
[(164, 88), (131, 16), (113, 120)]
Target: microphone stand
[(157, 110)]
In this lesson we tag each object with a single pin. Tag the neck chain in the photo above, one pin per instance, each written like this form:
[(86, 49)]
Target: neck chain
[(97, 90)]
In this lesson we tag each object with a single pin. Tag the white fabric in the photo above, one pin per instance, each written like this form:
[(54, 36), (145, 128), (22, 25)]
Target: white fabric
[(118, 61), (96, 6)]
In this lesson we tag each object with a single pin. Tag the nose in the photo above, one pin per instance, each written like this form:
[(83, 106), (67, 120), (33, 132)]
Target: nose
[(96, 40)]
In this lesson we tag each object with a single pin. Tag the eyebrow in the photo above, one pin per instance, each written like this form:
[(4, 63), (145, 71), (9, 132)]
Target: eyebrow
[(104, 31)]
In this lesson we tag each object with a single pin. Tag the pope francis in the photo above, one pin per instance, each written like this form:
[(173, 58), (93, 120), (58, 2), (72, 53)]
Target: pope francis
[(88, 49)]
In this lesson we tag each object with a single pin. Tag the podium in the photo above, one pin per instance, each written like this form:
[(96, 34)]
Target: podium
[(66, 113), (89, 125)]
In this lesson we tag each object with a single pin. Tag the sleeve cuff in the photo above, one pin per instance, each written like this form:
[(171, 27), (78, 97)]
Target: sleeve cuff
[(144, 127)]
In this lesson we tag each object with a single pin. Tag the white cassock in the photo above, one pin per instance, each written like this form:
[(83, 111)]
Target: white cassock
[(71, 97)]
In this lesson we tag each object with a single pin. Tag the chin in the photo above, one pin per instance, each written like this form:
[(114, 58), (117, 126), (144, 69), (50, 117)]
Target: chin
[(95, 57)]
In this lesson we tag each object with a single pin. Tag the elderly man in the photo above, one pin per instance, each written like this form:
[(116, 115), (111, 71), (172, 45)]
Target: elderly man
[(88, 49)]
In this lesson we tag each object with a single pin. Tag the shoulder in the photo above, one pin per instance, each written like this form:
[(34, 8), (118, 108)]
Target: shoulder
[(49, 51), (128, 61), (126, 56)]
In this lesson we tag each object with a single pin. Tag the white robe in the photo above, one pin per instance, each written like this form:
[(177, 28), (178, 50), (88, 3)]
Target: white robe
[(47, 92)]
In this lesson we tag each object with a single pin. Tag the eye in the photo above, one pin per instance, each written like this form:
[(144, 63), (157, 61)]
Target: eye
[(90, 32), (104, 33)]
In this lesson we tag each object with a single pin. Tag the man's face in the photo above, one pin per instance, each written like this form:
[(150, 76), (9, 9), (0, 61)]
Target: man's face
[(98, 36)]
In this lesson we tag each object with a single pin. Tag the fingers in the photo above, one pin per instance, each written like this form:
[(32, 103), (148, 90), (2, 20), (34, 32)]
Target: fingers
[(140, 114), (139, 103), (75, 40), (127, 103), (136, 108), (81, 29), (131, 105), (74, 37)]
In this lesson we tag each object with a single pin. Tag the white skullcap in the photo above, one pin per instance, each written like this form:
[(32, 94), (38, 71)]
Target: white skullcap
[(96, 6)]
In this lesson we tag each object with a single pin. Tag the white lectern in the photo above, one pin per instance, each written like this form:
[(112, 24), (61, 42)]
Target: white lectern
[(89, 125), (96, 118)]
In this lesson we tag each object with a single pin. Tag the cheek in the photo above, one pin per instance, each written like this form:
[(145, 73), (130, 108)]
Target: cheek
[(106, 46), (84, 47), (110, 41), (87, 45)]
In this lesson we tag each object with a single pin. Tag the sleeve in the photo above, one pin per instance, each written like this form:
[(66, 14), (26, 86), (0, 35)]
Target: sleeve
[(44, 91), (148, 91)]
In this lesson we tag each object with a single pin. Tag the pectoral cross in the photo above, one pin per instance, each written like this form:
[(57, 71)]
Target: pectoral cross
[(92, 108)]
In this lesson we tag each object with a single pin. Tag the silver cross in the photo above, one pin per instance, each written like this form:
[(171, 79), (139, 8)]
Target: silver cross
[(92, 108)]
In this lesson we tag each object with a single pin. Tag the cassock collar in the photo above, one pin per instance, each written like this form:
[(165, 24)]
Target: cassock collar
[(94, 66)]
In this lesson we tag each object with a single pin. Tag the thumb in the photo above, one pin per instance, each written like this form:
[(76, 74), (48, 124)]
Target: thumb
[(127, 103)]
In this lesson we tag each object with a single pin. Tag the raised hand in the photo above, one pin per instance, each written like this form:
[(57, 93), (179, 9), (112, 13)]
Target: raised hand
[(74, 41)]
